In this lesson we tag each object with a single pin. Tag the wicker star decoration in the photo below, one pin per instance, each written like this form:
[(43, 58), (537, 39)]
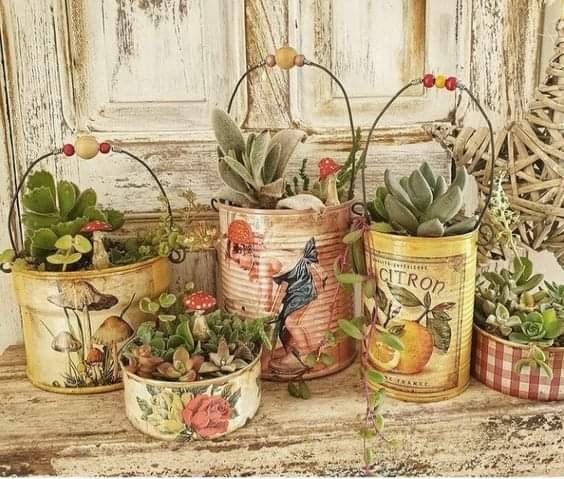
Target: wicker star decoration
[(531, 153)]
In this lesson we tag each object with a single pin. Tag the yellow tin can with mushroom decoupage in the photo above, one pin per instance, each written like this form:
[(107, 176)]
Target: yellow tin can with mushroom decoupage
[(75, 323)]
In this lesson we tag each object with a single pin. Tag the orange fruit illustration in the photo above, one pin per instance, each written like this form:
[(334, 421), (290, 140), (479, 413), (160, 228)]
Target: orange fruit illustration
[(418, 347)]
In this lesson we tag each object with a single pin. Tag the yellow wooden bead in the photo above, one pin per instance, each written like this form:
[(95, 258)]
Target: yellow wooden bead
[(440, 81), (285, 57), (86, 147)]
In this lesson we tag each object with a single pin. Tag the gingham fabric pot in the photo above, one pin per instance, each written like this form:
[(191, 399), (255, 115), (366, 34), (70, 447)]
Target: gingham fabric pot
[(494, 360)]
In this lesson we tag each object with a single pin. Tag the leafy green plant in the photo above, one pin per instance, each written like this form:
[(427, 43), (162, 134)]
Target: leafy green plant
[(183, 344), (69, 250), (421, 204)]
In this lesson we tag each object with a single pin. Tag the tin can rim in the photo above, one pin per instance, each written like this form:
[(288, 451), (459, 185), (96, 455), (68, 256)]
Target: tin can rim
[(283, 212), (421, 239), (186, 384), (479, 330), (88, 274)]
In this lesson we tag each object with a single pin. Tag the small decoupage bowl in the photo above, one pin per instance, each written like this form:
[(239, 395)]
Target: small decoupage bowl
[(205, 409), (493, 363)]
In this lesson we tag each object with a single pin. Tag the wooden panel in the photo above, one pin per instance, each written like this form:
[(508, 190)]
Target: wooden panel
[(375, 48), (480, 433), (151, 66)]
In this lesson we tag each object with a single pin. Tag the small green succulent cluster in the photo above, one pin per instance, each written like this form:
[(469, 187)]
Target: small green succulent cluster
[(421, 204), (181, 345), (510, 305), (253, 170)]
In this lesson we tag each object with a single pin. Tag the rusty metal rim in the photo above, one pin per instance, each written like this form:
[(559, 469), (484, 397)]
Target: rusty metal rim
[(89, 274), (283, 212), (491, 337), (176, 384), (419, 239)]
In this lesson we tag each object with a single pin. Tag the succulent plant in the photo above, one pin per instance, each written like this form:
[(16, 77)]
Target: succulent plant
[(510, 305), (182, 368), (53, 211), (421, 204), (222, 361), (253, 170), (182, 343)]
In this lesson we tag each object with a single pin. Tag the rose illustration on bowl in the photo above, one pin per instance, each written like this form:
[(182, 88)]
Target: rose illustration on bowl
[(207, 415)]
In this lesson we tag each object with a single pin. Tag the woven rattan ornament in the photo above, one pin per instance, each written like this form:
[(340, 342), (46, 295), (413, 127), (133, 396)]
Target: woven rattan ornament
[(531, 153)]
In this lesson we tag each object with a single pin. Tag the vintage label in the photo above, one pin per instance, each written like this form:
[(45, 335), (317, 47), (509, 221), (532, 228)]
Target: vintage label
[(424, 301)]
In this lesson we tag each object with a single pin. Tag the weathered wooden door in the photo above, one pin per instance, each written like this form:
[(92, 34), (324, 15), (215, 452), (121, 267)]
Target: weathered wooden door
[(145, 73)]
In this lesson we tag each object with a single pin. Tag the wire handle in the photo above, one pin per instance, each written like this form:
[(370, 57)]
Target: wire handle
[(286, 58), (87, 148), (429, 81)]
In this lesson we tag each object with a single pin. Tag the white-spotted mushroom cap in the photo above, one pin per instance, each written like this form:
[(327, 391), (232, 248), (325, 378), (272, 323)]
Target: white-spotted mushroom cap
[(199, 301), (328, 167), (65, 342), (112, 331)]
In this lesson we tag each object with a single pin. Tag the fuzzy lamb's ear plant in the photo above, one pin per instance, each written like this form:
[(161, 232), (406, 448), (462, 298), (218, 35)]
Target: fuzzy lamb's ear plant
[(253, 171), (421, 204)]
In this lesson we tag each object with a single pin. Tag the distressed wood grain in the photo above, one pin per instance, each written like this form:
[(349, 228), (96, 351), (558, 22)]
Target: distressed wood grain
[(479, 433)]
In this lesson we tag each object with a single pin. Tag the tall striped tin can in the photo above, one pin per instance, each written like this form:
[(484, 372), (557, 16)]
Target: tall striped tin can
[(280, 263), (425, 296)]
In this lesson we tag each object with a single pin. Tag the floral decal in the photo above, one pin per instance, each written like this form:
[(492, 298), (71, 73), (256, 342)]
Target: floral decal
[(202, 412)]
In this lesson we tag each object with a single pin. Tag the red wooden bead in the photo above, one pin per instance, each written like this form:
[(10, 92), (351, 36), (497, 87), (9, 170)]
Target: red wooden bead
[(429, 80), (450, 83), (105, 147), (68, 149)]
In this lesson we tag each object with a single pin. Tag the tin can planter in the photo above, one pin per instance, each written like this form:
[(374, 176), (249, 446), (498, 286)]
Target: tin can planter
[(426, 290), (192, 410), (74, 323), (494, 362), (280, 263)]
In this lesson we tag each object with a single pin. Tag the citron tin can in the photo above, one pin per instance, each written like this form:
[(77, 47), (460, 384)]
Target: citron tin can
[(425, 296), (74, 323), (279, 263)]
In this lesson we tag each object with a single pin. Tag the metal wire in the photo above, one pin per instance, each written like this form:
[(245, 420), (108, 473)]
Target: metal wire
[(461, 87)]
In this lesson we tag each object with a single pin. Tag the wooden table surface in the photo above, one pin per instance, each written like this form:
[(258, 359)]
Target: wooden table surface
[(480, 432)]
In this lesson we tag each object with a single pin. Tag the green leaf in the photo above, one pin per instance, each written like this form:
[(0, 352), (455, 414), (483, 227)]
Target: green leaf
[(158, 343), (379, 422), (82, 244), (44, 238), (304, 390), (69, 227), (427, 300), (115, 218), (502, 312), (145, 331), (41, 179), (369, 288), (352, 237), (310, 360), (441, 332), (166, 300), (375, 377), (391, 340), (34, 221), (527, 270), (64, 259), (552, 325), (326, 359), (183, 330), (369, 456), (546, 370), (167, 318), (349, 278), (294, 390), (94, 213), (7, 256), (381, 227), (350, 329), (66, 194), (64, 242), (40, 200), (87, 198), (376, 397), (404, 297), (148, 306), (523, 363)]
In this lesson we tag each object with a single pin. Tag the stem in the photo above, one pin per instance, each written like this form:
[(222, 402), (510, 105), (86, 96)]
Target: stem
[(423, 315), (81, 332)]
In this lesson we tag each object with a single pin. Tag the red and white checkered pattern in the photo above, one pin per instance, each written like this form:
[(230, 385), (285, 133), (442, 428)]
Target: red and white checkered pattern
[(493, 364)]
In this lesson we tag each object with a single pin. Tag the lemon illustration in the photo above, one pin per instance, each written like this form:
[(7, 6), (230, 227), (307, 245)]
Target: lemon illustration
[(418, 347)]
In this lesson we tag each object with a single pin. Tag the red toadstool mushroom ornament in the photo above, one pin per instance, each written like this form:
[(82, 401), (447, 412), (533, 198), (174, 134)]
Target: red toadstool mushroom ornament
[(96, 225), (328, 169), (198, 303)]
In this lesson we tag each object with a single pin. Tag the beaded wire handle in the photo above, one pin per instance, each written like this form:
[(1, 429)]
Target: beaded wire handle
[(430, 81), (287, 58), (86, 149)]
